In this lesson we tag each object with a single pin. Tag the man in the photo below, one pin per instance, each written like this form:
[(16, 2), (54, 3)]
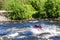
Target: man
[(41, 29), (35, 30), (35, 26)]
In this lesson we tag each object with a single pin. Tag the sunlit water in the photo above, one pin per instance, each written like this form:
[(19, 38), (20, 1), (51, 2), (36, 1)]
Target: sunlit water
[(8, 29)]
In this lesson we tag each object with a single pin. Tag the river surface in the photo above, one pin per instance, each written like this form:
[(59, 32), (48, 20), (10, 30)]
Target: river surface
[(7, 28)]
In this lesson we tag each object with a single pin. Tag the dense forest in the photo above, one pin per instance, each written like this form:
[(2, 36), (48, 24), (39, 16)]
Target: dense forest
[(26, 9)]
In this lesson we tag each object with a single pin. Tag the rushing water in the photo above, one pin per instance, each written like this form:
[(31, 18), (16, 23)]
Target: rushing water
[(7, 28)]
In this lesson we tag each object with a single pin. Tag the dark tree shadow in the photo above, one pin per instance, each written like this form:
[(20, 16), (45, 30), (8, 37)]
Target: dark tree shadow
[(36, 15)]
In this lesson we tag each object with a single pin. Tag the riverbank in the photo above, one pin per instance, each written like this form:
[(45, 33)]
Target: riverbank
[(3, 18), (27, 20)]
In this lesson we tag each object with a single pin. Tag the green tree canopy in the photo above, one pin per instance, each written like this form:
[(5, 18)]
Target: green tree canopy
[(20, 10)]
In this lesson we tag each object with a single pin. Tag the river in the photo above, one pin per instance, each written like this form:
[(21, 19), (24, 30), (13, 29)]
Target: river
[(7, 28)]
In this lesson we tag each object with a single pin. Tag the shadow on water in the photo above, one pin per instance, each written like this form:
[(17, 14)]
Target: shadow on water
[(55, 38)]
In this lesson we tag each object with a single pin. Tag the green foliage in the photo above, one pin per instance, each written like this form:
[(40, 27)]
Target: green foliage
[(20, 11), (12, 5), (28, 11), (58, 9), (24, 9), (49, 5), (36, 15), (51, 9), (39, 6)]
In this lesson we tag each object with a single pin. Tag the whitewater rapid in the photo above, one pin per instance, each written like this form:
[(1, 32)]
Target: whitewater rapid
[(16, 33)]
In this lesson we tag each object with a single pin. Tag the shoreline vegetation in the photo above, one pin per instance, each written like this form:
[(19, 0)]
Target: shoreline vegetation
[(27, 20), (6, 19), (29, 10)]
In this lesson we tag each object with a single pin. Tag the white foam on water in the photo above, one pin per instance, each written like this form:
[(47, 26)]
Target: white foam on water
[(14, 32), (13, 35)]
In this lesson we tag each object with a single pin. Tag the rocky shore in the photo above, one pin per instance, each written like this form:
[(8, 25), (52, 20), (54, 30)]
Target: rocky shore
[(4, 18)]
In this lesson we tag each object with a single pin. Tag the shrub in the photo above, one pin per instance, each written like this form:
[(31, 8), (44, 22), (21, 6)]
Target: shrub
[(20, 11), (52, 8), (39, 7)]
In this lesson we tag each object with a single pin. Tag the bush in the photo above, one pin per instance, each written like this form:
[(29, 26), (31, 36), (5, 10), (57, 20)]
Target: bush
[(52, 8), (39, 6), (20, 11), (24, 9), (28, 11)]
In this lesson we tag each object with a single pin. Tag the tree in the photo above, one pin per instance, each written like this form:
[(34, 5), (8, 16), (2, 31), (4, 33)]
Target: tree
[(57, 9), (51, 9), (20, 10), (39, 7)]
